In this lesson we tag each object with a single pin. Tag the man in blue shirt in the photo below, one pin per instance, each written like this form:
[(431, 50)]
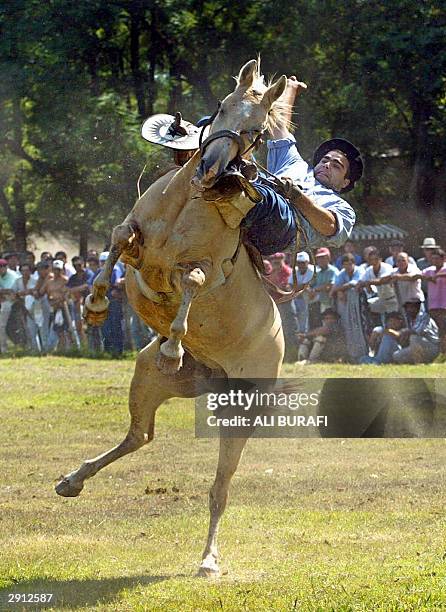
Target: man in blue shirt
[(324, 217)]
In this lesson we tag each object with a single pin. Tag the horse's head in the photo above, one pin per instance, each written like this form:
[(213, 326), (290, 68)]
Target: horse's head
[(242, 116)]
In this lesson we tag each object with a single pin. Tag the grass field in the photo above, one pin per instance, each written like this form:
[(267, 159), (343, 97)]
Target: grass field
[(311, 525)]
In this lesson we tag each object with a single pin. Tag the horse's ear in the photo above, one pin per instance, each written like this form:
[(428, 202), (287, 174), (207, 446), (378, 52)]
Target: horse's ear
[(246, 74), (274, 92)]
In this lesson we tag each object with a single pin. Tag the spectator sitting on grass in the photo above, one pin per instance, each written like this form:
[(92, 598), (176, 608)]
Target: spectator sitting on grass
[(324, 343), (417, 343), (385, 340)]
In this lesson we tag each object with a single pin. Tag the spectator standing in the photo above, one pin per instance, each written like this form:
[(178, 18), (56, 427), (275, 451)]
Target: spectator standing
[(436, 274), (321, 286), (112, 332), (395, 248), (67, 269), (42, 308), (428, 247), (7, 280), (406, 280), (305, 272), (46, 256), (378, 275), (349, 247), (352, 307), (79, 285), (24, 288), (56, 291), (365, 258), (30, 259), (280, 275), (13, 262)]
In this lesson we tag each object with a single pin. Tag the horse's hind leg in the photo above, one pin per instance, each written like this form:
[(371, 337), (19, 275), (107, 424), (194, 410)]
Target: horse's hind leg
[(148, 390)]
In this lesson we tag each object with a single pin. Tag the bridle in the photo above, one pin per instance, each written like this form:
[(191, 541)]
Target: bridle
[(237, 137)]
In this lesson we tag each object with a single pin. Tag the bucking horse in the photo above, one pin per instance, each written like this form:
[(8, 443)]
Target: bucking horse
[(190, 277)]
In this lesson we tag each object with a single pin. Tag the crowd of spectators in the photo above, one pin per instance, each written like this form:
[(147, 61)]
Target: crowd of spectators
[(352, 308), (364, 309), (41, 305)]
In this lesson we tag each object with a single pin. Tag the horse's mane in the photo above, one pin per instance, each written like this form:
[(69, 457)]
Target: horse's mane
[(279, 110)]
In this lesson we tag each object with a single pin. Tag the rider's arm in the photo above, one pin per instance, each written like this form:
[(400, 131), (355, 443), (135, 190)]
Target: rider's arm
[(293, 89), (322, 219)]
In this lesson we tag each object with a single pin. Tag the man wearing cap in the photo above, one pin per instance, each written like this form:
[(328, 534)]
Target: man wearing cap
[(325, 217), (55, 290), (7, 280), (321, 286), (305, 272)]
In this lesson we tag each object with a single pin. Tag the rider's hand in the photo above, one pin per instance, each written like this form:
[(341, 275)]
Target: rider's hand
[(283, 185), (293, 89)]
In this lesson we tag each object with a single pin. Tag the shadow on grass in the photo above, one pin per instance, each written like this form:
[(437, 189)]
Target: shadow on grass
[(73, 594)]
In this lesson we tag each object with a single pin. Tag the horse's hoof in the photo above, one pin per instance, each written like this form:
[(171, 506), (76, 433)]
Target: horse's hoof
[(168, 365), (211, 573), (209, 568), (95, 318), (95, 312), (66, 488)]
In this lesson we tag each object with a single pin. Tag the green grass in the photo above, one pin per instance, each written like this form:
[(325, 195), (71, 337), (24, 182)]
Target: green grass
[(311, 525)]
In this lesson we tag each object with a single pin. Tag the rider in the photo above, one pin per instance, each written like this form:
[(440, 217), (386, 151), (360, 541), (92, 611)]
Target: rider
[(325, 218)]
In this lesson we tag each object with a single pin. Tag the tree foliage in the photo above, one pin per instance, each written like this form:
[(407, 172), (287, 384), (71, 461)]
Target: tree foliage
[(79, 78)]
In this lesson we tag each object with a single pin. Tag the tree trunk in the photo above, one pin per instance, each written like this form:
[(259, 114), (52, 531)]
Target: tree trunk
[(136, 19), (422, 185), (83, 241), (19, 226)]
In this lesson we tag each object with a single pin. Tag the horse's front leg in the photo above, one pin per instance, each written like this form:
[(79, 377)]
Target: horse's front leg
[(230, 453), (170, 356), (125, 238)]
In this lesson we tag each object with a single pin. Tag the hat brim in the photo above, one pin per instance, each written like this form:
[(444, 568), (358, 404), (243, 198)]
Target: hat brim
[(155, 129), (350, 151)]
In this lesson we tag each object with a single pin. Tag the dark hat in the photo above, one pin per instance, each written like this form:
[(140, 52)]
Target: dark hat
[(350, 151)]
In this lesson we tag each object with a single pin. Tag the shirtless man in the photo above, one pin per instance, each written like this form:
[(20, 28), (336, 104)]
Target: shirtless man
[(56, 291)]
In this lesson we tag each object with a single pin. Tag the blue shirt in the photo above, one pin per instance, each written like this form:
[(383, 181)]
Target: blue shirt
[(285, 160), (425, 326), (343, 278)]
